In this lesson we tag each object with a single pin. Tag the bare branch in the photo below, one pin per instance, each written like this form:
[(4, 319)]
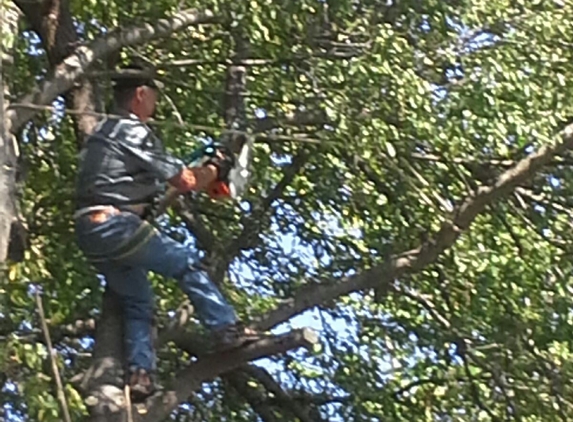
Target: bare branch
[(210, 366), (59, 386)]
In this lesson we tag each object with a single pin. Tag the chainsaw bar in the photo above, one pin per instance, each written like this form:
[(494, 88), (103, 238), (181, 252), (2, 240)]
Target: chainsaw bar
[(240, 174)]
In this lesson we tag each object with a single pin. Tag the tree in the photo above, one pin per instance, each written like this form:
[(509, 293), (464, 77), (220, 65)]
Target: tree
[(409, 200)]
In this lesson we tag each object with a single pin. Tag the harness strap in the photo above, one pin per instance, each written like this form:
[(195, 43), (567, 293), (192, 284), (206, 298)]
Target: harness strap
[(126, 248)]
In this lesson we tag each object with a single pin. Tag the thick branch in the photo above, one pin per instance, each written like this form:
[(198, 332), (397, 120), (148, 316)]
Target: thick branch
[(52, 21), (195, 225), (75, 65), (210, 366), (416, 259)]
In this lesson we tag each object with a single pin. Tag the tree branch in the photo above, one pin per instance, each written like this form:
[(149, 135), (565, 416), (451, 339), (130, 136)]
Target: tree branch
[(191, 220), (256, 398), (474, 390), (416, 259), (61, 394), (209, 366), (52, 21), (253, 224), (281, 396), (63, 76)]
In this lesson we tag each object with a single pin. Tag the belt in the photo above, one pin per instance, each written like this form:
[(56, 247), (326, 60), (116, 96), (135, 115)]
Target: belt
[(98, 213), (101, 213)]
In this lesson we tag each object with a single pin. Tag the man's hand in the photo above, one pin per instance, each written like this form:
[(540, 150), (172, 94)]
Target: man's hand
[(224, 160), (196, 178)]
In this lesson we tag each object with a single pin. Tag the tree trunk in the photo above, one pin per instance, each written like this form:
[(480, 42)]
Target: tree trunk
[(8, 147), (7, 179), (104, 379)]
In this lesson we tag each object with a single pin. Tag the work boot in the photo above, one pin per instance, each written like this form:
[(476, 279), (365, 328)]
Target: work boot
[(233, 336), (141, 384)]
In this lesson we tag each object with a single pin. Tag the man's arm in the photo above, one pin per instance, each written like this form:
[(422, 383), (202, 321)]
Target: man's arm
[(196, 179)]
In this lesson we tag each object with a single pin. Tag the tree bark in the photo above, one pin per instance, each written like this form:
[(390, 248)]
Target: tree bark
[(105, 378), (52, 21), (84, 57), (9, 223), (7, 178)]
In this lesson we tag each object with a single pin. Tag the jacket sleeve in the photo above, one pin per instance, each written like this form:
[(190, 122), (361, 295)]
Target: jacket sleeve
[(146, 148)]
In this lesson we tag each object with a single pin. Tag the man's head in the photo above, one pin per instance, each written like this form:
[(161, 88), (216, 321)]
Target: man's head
[(136, 91)]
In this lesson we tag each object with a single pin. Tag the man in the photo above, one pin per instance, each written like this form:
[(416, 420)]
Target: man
[(123, 168)]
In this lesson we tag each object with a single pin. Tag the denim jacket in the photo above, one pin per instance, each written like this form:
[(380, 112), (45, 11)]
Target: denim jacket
[(123, 163)]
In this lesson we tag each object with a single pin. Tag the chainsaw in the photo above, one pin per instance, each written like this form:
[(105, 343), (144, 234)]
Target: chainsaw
[(232, 187), (236, 182)]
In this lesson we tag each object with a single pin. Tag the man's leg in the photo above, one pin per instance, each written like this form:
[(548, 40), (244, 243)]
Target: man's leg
[(148, 249), (165, 256), (136, 298)]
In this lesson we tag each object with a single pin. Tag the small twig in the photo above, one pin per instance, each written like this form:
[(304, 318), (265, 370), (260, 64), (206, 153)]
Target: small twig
[(445, 204), (426, 303), (61, 392), (455, 160), (474, 390), (175, 109)]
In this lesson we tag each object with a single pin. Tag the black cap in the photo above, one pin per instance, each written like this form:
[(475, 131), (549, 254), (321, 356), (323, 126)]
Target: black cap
[(135, 75)]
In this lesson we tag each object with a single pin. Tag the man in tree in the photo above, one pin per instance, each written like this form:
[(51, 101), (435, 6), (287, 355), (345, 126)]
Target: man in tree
[(123, 167)]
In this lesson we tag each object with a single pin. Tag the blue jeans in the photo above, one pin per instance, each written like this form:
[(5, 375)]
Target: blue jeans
[(125, 271)]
